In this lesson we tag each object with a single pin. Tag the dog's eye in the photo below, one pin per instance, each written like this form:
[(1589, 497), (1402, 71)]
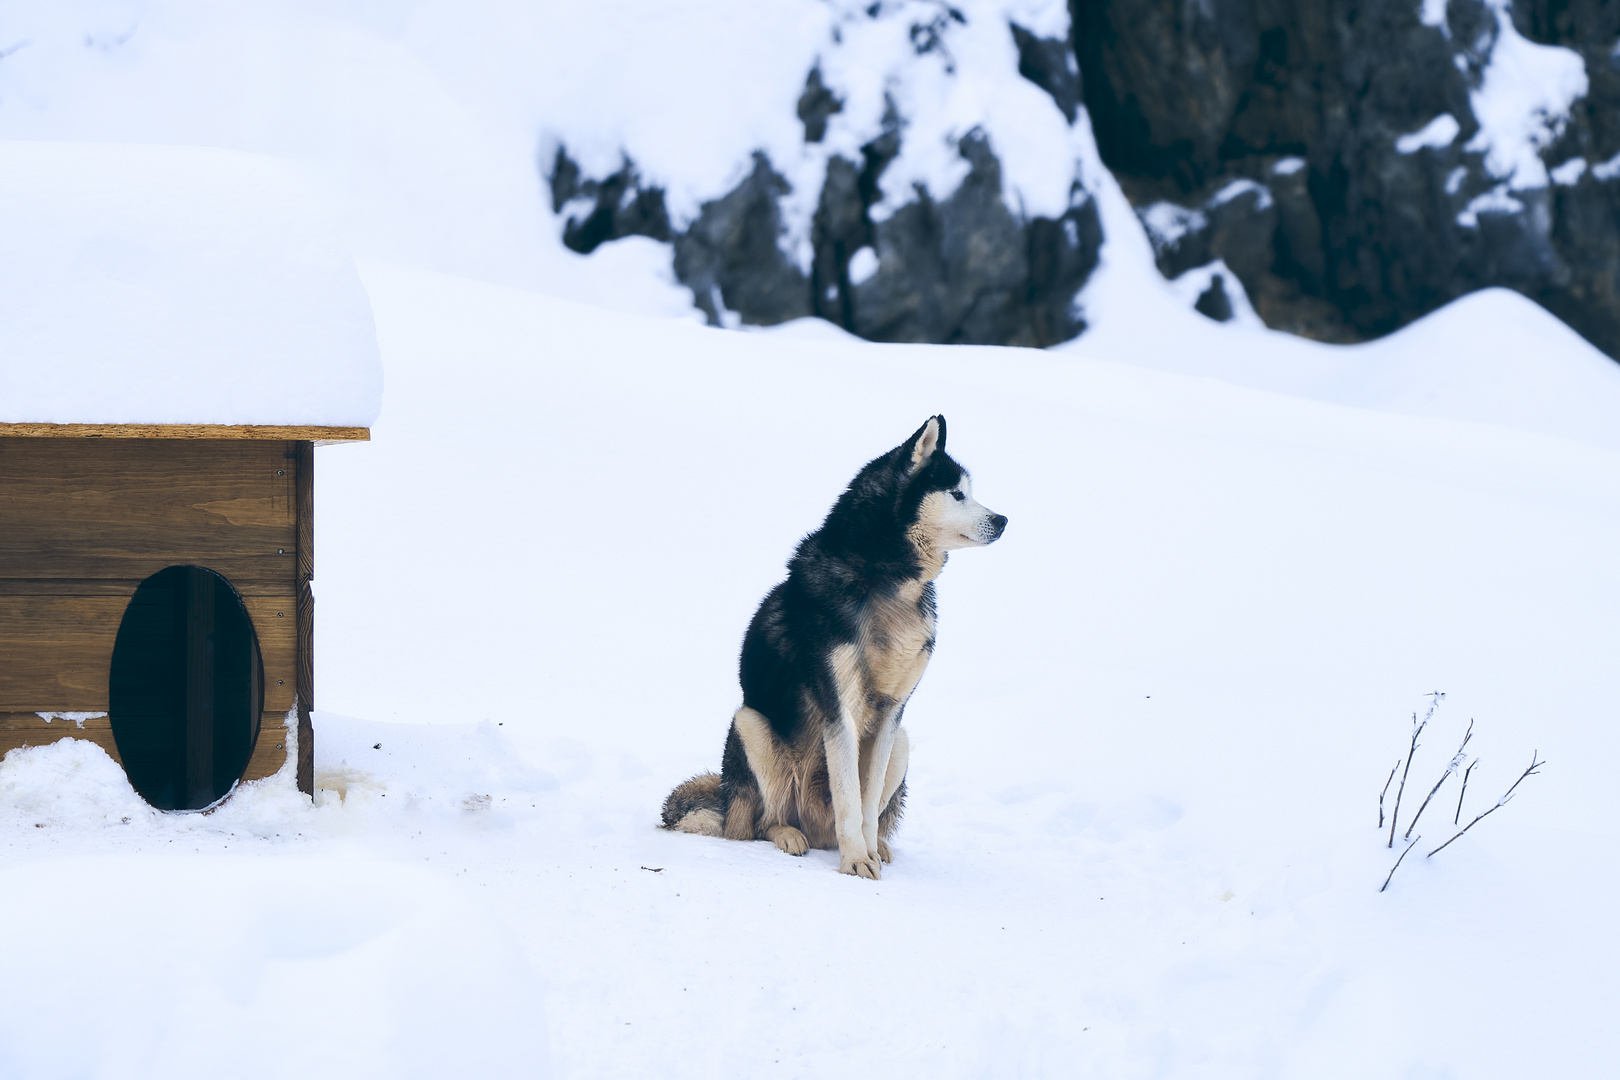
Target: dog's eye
[(958, 496)]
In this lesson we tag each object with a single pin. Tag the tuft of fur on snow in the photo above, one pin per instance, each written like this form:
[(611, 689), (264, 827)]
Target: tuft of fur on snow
[(695, 806)]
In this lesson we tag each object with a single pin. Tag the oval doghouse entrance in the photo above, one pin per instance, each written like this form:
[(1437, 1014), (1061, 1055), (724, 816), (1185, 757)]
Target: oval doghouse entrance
[(186, 688)]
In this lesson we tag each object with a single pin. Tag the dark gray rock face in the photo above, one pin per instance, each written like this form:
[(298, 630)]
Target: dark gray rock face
[(960, 269), (619, 205), (1339, 235), (730, 259)]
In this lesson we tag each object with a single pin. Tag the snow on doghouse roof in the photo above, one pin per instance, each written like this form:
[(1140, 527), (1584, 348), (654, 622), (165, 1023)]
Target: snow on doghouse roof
[(176, 285)]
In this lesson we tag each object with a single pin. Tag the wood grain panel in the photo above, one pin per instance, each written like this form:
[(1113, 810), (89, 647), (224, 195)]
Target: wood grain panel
[(126, 508), (270, 752), (126, 587), (56, 651), (304, 500), (275, 620)]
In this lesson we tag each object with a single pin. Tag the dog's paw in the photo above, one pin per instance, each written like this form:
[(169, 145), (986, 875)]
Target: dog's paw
[(789, 839), (865, 866), (885, 852)]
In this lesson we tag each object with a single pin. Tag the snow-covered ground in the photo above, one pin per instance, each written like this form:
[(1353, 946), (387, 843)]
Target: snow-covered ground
[(1146, 758)]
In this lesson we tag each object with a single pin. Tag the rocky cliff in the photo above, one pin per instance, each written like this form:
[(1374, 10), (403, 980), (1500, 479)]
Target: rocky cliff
[(1359, 164), (1353, 164)]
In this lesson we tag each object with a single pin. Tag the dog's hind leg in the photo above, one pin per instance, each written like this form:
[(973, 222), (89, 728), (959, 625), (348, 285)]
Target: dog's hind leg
[(742, 815), (787, 838), (772, 772), (894, 792)]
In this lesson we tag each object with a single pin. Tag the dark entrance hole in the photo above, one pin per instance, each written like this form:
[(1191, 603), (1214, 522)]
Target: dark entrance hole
[(186, 688)]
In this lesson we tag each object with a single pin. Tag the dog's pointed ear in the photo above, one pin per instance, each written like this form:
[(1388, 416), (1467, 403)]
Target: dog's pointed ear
[(921, 446)]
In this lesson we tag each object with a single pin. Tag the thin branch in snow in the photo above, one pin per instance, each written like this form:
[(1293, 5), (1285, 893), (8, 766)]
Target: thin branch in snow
[(1417, 729), (1397, 865), (1451, 767), (1466, 773), (1531, 771), (1381, 794)]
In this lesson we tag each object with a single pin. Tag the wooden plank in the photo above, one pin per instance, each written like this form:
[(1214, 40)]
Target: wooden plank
[(303, 455), (275, 621), (270, 752), (125, 509), (55, 651), (244, 584), (30, 729), (304, 500), (313, 433)]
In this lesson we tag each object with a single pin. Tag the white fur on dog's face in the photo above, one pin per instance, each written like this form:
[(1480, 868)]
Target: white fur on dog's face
[(955, 519)]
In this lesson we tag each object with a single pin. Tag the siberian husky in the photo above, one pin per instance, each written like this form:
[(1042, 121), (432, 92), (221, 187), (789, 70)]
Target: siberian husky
[(816, 756)]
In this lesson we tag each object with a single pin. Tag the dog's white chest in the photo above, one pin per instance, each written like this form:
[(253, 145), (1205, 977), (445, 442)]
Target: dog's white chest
[(898, 640)]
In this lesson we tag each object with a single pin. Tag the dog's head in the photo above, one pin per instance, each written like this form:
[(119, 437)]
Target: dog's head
[(937, 505)]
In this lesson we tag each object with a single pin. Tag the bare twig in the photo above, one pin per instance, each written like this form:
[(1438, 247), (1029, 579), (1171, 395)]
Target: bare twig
[(1417, 729), (1381, 794), (1466, 773), (1451, 767), (1531, 771), (1397, 865)]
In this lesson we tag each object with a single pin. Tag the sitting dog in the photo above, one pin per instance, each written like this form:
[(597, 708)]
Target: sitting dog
[(816, 756)]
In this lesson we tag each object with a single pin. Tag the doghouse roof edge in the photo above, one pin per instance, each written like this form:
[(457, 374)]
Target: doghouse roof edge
[(319, 435)]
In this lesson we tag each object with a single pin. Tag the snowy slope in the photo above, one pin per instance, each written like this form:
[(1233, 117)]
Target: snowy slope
[(1147, 756), (428, 123)]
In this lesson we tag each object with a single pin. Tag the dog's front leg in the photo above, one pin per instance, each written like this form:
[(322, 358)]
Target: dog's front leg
[(842, 742), (874, 769), (844, 775)]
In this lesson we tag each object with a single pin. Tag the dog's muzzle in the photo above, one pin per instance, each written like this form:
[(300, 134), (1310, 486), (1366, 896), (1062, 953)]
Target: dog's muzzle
[(996, 526)]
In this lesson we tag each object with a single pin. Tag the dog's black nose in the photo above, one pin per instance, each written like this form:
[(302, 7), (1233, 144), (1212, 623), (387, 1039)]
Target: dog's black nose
[(997, 523)]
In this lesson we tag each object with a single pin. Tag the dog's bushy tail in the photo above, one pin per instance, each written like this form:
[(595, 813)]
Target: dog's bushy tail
[(696, 806)]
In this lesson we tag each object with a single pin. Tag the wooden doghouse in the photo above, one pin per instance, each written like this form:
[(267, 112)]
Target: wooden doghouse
[(95, 517), (176, 339)]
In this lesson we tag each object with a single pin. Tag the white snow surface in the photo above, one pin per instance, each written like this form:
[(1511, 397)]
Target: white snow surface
[(433, 120), (1437, 133), (153, 284), (1523, 101), (1607, 170), (1569, 173), (1142, 832), (1146, 756)]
